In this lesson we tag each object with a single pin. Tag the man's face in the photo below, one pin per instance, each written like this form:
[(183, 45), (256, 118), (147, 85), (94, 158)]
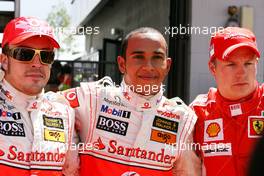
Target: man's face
[(29, 78), (146, 64), (236, 78)]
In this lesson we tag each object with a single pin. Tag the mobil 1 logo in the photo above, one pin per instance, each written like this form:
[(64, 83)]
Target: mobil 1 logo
[(116, 112), (112, 125)]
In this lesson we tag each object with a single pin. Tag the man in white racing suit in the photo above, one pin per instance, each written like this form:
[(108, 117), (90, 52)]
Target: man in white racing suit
[(133, 129), (36, 129)]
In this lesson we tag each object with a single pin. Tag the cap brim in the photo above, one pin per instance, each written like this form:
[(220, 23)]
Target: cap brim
[(27, 36), (239, 45)]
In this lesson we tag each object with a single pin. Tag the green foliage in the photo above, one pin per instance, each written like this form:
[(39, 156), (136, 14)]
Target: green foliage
[(59, 17), (60, 20)]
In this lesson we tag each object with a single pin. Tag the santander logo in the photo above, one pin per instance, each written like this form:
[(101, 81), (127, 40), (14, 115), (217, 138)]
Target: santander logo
[(100, 144), (135, 152)]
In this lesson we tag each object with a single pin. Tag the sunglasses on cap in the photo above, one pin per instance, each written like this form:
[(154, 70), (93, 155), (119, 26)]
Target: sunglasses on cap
[(24, 54)]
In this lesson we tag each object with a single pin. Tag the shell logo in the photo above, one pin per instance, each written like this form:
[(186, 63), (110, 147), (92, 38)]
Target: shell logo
[(213, 129)]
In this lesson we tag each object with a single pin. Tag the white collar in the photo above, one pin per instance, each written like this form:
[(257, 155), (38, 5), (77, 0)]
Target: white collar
[(15, 96), (141, 102)]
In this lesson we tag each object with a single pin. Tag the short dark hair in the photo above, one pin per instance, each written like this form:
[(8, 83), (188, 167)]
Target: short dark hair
[(138, 31)]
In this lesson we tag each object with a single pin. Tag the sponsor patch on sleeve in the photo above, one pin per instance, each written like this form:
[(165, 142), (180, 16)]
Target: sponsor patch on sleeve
[(162, 137), (213, 130), (54, 135), (255, 126), (235, 109), (220, 149), (165, 124), (12, 128), (112, 125), (53, 122), (71, 96)]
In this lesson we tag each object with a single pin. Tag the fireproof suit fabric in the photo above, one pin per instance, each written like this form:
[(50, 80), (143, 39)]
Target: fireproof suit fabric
[(35, 132), (227, 131), (124, 133)]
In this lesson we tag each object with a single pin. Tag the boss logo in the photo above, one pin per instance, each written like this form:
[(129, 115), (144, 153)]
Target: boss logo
[(112, 125), (10, 128)]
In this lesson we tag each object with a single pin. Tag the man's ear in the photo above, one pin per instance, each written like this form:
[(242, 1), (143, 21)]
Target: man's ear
[(4, 61), (121, 64), (169, 61), (212, 68)]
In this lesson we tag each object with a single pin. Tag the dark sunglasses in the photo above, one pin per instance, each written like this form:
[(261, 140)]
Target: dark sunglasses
[(27, 54)]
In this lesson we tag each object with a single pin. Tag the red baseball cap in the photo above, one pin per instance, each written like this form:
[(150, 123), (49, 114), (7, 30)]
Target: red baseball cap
[(22, 28), (225, 41)]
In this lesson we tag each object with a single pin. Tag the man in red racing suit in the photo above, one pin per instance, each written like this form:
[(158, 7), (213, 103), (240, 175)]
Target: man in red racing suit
[(230, 118), (36, 129), (133, 129)]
